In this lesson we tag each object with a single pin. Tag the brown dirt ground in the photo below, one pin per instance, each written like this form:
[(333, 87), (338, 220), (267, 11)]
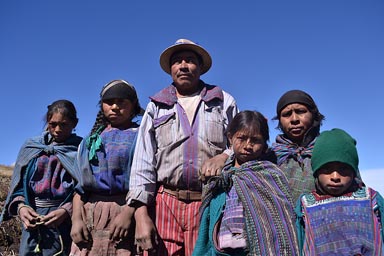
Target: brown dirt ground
[(10, 230)]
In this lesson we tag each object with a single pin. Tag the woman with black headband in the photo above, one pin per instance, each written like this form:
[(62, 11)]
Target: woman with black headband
[(300, 121)]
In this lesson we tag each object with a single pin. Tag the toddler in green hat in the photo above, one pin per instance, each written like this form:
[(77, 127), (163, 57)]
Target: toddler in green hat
[(342, 216)]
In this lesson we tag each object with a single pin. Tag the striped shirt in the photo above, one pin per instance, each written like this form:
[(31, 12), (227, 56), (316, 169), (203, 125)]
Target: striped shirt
[(169, 149)]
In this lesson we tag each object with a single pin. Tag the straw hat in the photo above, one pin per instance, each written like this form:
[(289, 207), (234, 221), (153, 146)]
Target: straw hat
[(185, 45)]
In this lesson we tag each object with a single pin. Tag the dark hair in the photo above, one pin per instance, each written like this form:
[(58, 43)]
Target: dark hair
[(102, 121), (317, 121), (300, 97), (65, 107), (252, 121)]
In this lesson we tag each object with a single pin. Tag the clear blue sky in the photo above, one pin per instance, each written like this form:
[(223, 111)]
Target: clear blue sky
[(333, 50)]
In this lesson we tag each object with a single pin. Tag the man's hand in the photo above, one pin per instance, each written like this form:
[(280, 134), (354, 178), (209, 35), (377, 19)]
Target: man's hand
[(146, 238), (212, 167)]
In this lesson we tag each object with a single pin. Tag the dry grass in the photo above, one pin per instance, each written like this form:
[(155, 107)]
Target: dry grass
[(6, 170), (10, 231)]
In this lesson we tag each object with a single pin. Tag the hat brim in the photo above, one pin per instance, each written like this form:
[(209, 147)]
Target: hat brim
[(166, 55)]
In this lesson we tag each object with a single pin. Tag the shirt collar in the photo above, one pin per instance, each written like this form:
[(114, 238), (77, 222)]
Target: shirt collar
[(168, 96)]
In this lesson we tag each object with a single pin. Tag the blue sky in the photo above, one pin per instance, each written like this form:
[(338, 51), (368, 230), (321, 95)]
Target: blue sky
[(333, 50)]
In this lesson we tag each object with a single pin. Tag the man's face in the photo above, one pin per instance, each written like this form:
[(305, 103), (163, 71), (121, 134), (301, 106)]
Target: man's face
[(185, 72)]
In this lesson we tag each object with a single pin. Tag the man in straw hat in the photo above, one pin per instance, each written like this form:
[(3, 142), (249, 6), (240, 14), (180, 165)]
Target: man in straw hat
[(182, 128)]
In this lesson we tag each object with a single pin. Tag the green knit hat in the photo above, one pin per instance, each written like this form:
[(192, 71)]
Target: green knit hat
[(335, 146)]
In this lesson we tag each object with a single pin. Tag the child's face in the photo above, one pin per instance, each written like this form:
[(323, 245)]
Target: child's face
[(246, 146), (335, 178), (60, 127), (118, 112)]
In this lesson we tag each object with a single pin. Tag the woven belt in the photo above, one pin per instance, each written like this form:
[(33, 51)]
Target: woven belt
[(46, 203), (183, 195)]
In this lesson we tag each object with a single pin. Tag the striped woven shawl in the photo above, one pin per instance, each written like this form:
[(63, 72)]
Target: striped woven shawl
[(268, 207)]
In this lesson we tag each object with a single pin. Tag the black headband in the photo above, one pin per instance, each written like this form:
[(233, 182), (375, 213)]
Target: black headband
[(295, 96), (118, 90)]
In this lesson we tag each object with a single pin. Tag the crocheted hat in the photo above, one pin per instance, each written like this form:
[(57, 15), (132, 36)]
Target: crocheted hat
[(185, 45), (335, 145)]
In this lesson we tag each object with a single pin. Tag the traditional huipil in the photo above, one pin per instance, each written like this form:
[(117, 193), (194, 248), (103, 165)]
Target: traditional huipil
[(346, 224), (104, 164), (253, 204)]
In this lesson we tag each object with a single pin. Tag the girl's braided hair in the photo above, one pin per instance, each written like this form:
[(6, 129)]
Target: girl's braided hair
[(100, 121)]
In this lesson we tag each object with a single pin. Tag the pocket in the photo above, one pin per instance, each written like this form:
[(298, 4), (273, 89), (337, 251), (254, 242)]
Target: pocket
[(215, 127), (164, 130)]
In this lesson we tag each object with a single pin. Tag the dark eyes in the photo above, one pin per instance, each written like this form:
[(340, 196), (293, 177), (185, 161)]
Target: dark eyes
[(55, 124), (251, 140), (342, 170), (180, 60), (115, 101), (297, 111)]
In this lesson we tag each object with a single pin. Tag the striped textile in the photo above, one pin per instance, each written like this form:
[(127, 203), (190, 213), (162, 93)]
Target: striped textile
[(344, 225), (295, 162), (232, 227), (268, 210), (169, 150), (177, 223), (285, 149)]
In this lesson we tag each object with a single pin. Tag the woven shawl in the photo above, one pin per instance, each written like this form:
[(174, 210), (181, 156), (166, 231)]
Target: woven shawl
[(66, 153), (268, 209), (285, 149)]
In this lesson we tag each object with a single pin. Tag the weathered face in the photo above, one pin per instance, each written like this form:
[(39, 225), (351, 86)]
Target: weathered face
[(246, 146), (60, 127), (335, 178), (295, 120), (119, 112), (185, 72)]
